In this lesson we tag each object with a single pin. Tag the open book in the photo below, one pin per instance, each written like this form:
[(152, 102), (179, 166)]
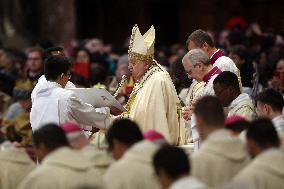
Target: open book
[(97, 97)]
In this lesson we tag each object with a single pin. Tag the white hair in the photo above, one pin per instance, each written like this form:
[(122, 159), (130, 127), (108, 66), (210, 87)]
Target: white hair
[(196, 56)]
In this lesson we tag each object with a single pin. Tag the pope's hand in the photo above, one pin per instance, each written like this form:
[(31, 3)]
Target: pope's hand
[(115, 111), (186, 113)]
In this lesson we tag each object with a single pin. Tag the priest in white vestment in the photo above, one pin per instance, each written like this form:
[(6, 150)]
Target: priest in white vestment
[(172, 167), (153, 103), (196, 64), (266, 171), (52, 103), (15, 165), (61, 167), (270, 104), (227, 89), (134, 169), (221, 155)]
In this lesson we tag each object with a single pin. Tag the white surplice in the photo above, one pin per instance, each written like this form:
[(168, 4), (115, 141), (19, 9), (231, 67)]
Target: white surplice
[(188, 183), (219, 159), (266, 171), (61, 169), (53, 104), (242, 106), (134, 169), (15, 165)]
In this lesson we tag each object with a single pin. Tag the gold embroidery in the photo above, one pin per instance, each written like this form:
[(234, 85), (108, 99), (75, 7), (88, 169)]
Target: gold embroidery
[(138, 56), (139, 85)]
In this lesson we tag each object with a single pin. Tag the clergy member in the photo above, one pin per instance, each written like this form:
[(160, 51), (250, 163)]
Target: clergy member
[(61, 167), (266, 171), (15, 165), (227, 89), (221, 155), (52, 103), (196, 64), (172, 167), (133, 168), (202, 40), (153, 103)]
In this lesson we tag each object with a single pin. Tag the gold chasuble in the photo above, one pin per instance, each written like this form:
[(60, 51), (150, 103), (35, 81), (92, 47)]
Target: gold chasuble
[(154, 103)]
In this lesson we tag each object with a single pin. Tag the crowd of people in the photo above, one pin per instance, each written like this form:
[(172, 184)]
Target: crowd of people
[(221, 93)]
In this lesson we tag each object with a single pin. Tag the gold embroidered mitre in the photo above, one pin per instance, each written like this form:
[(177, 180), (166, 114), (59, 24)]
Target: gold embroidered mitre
[(142, 47)]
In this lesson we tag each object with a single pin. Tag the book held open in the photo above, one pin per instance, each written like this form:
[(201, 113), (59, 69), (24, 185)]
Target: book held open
[(97, 97)]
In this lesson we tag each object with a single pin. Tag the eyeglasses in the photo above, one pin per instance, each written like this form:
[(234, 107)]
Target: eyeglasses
[(189, 72)]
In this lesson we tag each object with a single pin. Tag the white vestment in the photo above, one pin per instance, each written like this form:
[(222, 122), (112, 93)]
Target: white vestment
[(208, 87), (53, 104), (134, 169), (188, 183), (224, 63), (15, 165), (242, 106), (42, 82), (61, 169), (194, 92), (154, 104), (101, 158), (266, 171), (207, 90), (279, 124), (219, 159)]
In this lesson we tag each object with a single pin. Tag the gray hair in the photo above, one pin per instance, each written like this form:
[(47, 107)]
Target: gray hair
[(196, 56)]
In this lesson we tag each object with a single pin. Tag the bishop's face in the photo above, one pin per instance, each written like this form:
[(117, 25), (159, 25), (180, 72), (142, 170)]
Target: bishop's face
[(137, 68)]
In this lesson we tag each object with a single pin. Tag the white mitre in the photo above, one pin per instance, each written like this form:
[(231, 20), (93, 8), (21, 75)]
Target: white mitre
[(142, 47)]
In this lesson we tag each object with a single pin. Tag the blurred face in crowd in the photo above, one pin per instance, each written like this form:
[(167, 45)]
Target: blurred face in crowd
[(164, 179), (117, 149), (280, 69), (34, 61), (95, 45), (122, 69), (137, 68), (41, 152), (5, 62), (262, 109), (80, 142), (82, 56), (26, 103), (193, 72), (252, 147)]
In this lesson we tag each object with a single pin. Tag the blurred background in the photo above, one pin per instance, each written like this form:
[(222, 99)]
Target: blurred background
[(30, 22)]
